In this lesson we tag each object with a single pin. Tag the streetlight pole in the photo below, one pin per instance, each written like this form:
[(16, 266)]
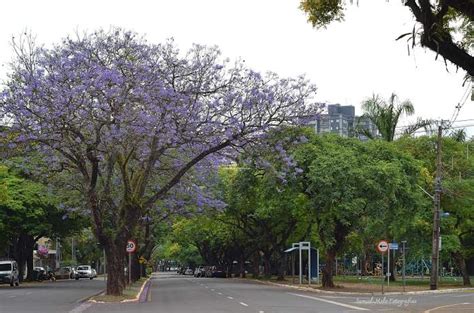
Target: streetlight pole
[(436, 214)]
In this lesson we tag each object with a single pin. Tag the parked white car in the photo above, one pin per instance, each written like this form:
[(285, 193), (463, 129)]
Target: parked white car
[(9, 273), (85, 271)]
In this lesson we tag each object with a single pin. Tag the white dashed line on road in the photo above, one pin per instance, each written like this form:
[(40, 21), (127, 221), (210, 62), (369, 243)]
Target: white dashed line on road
[(230, 298), (244, 304), (213, 290), (219, 293)]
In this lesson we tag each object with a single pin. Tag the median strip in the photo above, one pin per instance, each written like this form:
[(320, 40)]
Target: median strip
[(137, 292)]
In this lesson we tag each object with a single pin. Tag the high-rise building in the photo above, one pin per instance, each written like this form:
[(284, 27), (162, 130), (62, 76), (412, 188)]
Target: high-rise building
[(341, 120)]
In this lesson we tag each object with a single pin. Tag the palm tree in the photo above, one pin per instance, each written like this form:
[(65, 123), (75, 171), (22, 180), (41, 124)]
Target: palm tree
[(385, 115), (459, 135)]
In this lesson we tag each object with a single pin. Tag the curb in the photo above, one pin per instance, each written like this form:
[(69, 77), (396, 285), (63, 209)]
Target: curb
[(145, 286), (139, 295), (420, 292), (143, 295)]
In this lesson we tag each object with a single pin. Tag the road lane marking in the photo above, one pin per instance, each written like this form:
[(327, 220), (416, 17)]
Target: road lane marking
[(244, 304), (206, 287), (81, 308), (230, 298), (330, 301), (12, 297), (219, 293), (261, 312), (445, 306), (213, 290)]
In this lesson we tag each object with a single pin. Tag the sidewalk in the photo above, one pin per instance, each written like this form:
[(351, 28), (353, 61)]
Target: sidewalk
[(347, 288)]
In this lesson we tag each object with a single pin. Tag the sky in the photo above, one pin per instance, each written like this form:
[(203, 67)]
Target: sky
[(348, 61)]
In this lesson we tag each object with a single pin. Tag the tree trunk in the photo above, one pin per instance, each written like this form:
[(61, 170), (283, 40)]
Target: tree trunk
[(366, 261), (23, 253), (242, 265), (114, 242), (267, 265), (28, 254), (29, 266), (393, 267), (115, 267), (461, 263), (256, 265), (282, 261), (327, 280), (135, 267)]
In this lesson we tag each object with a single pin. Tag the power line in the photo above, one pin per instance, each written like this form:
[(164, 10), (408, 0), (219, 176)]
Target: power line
[(460, 104), (458, 121), (449, 128)]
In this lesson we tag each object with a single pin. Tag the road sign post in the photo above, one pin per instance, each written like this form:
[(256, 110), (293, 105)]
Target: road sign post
[(388, 269), (382, 247), (131, 247), (129, 269)]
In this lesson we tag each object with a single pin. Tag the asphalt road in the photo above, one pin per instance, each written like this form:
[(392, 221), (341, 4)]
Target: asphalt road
[(172, 293), (179, 294), (61, 296)]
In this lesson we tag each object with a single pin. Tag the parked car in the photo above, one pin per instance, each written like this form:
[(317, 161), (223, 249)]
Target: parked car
[(73, 273), (85, 271), (215, 271), (64, 273), (39, 273), (189, 271), (200, 271), (9, 273)]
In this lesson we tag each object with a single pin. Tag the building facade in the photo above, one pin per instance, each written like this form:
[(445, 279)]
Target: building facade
[(341, 120)]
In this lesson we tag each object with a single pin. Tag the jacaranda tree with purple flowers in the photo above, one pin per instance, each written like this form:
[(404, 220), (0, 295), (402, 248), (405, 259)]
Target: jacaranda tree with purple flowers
[(130, 120)]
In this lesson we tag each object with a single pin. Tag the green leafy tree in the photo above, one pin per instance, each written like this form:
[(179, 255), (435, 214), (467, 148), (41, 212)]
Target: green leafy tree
[(346, 180), (267, 212), (439, 23), (457, 197), (28, 211), (457, 229)]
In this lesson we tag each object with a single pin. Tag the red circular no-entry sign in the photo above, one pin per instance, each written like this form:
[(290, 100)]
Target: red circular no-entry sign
[(382, 246)]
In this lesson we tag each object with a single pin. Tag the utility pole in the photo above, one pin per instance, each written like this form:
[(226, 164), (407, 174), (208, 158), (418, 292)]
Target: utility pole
[(436, 213)]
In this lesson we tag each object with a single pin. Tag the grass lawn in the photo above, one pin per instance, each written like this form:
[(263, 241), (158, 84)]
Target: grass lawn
[(130, 292)]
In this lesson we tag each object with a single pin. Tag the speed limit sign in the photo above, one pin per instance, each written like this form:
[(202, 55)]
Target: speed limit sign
[(131, 246)]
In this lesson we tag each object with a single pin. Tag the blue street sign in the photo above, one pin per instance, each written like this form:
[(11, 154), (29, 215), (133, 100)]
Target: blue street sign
[(393, 246)]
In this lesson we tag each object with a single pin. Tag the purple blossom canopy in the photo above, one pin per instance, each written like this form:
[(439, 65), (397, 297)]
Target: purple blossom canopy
[(129, 115)]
